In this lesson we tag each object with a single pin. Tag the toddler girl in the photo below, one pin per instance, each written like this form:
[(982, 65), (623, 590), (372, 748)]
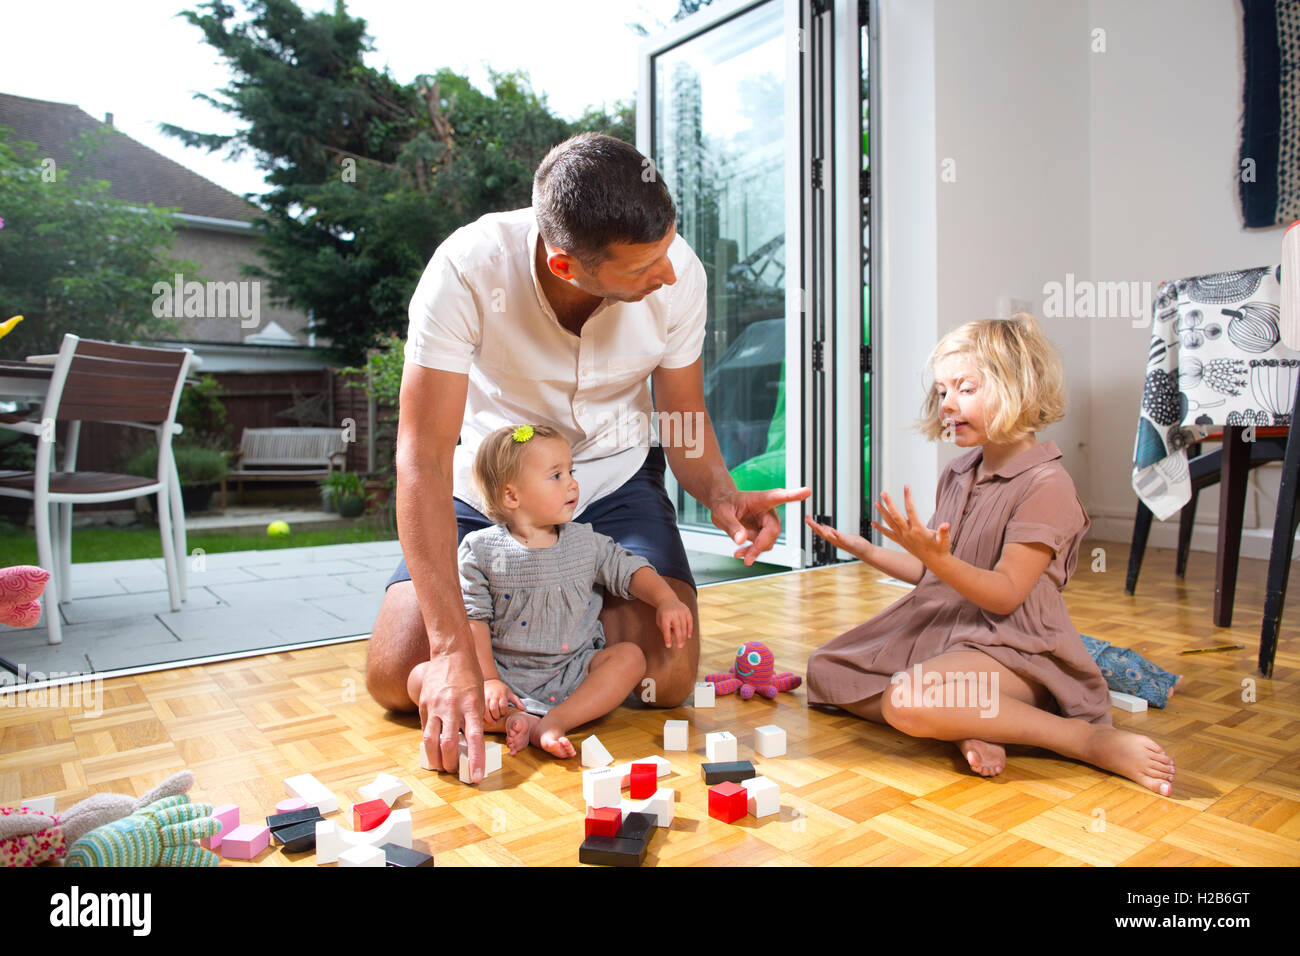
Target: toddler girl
[(982, 651), (528, 588)]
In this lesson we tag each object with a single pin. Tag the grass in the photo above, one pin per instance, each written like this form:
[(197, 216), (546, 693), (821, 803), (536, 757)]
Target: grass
[(18, 545)]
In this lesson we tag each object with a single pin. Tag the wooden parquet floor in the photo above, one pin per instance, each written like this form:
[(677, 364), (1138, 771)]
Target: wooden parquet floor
[(851, 793)]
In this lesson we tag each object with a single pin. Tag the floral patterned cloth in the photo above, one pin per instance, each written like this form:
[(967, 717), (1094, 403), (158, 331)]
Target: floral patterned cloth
[(1216, 359)]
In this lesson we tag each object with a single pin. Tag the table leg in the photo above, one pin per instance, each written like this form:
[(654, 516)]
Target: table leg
[(1232, 504)]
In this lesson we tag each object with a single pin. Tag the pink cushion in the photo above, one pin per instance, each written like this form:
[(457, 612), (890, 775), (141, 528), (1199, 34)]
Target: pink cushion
[(21, 615), (22, 583)]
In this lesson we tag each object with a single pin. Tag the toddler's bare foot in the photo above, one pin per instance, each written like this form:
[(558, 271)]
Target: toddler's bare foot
[(550, 737), (519, 728), (986, 759), (1139, 758)]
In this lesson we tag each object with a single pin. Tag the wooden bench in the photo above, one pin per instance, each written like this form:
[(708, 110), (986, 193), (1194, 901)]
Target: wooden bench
[(286, 454)]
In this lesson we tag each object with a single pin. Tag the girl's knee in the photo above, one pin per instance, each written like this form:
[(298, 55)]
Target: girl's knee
[(902, 712)]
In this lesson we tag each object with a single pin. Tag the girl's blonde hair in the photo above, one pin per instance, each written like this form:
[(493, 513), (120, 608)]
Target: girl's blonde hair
[(499, 460), (1023, 377)]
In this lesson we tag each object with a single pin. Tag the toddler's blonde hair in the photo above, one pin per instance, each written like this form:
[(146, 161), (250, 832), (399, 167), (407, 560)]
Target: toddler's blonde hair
[(498, 462), (1023, 377)]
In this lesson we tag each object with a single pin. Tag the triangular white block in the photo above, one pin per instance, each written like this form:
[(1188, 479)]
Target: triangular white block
[(594, 753)]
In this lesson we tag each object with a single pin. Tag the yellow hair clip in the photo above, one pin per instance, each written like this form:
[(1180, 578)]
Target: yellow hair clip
[(522, 433)]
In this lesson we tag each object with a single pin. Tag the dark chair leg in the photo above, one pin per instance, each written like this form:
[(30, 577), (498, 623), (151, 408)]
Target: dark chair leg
[(1279, 558), (1141, 531), (1186, 524), (1232, 505)]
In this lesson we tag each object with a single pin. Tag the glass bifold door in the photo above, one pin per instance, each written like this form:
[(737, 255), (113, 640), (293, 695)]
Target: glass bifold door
[(752, 113)]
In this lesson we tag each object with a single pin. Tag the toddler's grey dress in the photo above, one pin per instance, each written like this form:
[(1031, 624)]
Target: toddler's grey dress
[(541, 604)]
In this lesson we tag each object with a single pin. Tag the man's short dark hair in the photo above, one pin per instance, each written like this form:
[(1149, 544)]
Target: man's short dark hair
[(592, 190)]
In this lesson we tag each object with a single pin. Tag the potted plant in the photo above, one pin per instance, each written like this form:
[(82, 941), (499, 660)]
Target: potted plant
[(347, 492), (200, 471)]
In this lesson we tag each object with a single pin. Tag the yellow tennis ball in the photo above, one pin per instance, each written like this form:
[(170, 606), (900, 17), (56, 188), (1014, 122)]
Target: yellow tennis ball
[(277, 529)]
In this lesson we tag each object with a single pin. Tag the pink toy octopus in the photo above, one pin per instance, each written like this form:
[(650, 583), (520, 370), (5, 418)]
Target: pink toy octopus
[(754, 670)]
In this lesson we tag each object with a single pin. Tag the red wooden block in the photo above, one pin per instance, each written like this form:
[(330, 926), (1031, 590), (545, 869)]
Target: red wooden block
[(368, 815), (645, 778), (727, 802), (604, 821)]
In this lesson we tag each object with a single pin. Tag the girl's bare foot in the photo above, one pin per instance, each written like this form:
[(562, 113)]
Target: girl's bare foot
[(1178, 683), (1139, 758), (549, 736), (986, 759), (519, 728)]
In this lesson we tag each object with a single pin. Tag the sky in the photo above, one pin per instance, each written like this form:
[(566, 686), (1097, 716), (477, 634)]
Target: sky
[(141, 62)]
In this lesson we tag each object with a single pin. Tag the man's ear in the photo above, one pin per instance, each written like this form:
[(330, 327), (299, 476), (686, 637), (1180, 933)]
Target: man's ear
[(561, 264)]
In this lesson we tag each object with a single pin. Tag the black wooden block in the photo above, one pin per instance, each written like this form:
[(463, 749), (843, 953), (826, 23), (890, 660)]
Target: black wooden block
[(611, 851), (732, 771), (395, 855), (299, 837), (277, 820), (638, 826)]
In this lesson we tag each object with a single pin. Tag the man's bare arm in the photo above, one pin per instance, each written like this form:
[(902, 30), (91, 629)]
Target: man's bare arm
[(451, 701), (693, 452)]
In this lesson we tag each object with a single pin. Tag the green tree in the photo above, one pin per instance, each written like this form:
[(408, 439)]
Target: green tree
[(74, 259), (368, 175)]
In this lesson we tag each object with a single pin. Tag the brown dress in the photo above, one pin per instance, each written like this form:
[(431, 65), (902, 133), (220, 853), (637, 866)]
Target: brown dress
[(1030, 498)]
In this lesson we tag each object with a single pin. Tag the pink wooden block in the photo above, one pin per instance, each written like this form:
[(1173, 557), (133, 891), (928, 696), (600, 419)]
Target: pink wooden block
[(245, 842), (291, 804), (228, 814)]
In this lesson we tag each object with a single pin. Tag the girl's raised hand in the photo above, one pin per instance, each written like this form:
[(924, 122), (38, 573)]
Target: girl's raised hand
[(910, 531), (854, 544)]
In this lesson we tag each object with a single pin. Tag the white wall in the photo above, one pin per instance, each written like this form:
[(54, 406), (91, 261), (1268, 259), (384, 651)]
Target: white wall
[(908, 253), (1114, 165), (1012, 124)]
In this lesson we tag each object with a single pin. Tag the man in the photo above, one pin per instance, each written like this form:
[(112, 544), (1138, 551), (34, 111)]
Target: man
[(557, 314)]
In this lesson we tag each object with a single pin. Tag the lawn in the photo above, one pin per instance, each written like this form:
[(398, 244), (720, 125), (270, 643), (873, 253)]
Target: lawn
[(18, 545)]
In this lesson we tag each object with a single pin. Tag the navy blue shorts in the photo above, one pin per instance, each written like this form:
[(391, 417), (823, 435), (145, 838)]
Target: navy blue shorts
[(639, 516)]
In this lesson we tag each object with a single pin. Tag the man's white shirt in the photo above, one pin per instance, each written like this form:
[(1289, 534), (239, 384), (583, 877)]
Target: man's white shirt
[(479, 309)]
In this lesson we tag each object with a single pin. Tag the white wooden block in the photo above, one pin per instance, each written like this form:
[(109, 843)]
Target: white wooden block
[(491, 759), (720, 747), (660, 806), (386, 788), (603, 787), (306, 787), (769, 741), (704, 694), (594, 753), (39, 804), (677, 735), (763, 796), (363, 856), (425, 762), (1133, 705), (332, 840)]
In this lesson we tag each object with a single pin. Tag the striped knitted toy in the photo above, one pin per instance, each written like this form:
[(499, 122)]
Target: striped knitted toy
[(162, 834), (754, 670)]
